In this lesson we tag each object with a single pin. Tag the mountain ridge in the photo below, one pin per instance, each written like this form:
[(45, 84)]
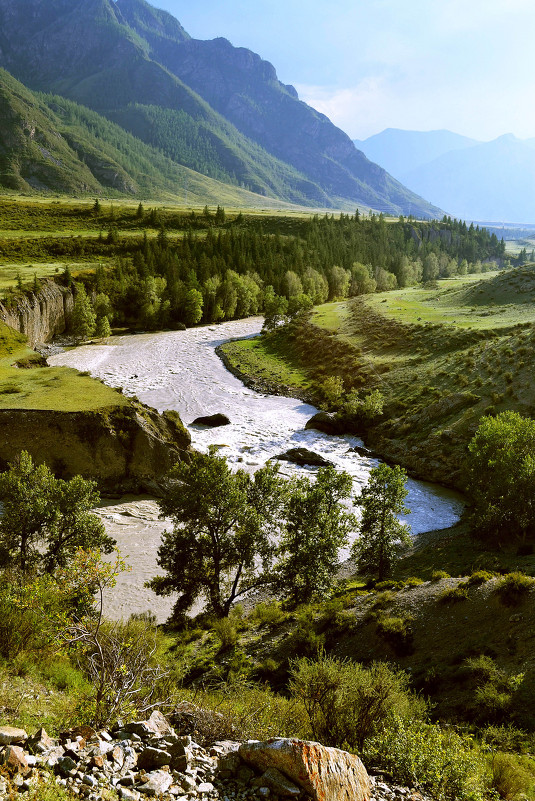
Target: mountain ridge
[(112, 56)]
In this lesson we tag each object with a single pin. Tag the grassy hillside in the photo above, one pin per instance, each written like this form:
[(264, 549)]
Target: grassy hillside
[(51, 144), (441, 358)]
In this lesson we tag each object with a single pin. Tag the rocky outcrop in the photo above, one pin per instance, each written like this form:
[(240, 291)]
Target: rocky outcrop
[(108, 764), (128, 448), (40, 316)]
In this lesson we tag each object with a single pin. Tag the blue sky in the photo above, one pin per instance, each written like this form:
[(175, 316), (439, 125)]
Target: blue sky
[(465, 65)]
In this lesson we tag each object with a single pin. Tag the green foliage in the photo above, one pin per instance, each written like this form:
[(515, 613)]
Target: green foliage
[(513, 588), (453, 595), (397, 631), (268, 614), (511, 779), (381, 534), (226, 630), (438, 575), (220, 546), (45, 519), (500, 474), (346, 703), (83, 318), (316, 527), (478, 577), (443, 763), (495, 689)]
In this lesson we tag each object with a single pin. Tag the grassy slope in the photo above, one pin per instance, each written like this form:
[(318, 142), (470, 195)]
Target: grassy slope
[(442, 358), (47, 388)]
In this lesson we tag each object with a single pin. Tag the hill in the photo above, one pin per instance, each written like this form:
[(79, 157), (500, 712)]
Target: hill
[(400, 151), (53, 144), (209, 105)]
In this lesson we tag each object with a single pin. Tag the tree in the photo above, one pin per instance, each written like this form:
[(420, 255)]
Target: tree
[(500, 475), (381, 533), (275, 309), (220, 546), (102, 328), (316, 527), (83, 318), (45, 519), (193, 304)]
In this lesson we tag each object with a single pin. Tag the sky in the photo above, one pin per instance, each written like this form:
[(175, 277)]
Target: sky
[(464, 65)]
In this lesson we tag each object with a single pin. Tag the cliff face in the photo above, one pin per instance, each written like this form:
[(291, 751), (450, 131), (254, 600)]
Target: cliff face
[(41, 316), (125, 449)]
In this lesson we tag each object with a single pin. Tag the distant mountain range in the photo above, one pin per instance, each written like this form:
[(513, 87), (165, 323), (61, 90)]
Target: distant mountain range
[(214, 108), (490, 181)]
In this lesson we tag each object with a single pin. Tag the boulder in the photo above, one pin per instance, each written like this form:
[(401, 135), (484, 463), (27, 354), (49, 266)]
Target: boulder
[(325, 422), (362, 451), (151, 758), (13, 759), (302, 457), (156, 783), (41, 742), (212, 420), (325, 774), (9, 735)]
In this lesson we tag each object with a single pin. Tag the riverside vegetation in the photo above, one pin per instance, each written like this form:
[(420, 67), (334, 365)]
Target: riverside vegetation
[(459, 649)]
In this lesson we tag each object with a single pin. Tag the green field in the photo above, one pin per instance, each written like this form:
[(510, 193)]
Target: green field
[(47, 388)]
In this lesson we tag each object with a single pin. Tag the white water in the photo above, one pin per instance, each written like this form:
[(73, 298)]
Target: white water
[(180, 370)]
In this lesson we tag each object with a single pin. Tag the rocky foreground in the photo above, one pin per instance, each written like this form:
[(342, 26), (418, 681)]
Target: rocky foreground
[(149, 758)]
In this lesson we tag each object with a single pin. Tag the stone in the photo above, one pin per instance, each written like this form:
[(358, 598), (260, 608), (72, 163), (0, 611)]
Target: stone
[(9, 735), (324, 422), (212, 421), (151, 758), (205, 787), (325, 774), (156, 724), (302, 456), (244, 774), (156, 783), (179, 757), (66, 765), (14, 760), (128, 794), (279, 783), (40, 742), (362, 451)]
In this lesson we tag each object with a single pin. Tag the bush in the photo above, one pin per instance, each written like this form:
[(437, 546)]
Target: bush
[(513, 588), (453, 595), (268, 614), (397, 632), (347, 703), (495, 689), (438, 575), (478, 577), (226, 631), (413, 581), (510, 778), (442, 762)]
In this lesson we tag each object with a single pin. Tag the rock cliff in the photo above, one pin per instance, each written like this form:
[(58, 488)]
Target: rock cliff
[(40, 316), (125, 449)]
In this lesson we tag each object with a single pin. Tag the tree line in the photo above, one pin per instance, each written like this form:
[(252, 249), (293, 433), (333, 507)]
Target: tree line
[(231, 269)]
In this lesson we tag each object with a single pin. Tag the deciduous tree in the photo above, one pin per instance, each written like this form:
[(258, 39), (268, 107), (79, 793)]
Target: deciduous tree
[(381, 533)]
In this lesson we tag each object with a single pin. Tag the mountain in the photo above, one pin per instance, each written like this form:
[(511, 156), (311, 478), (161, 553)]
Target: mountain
[(489, 181), (50, 143), (208, 105), (400, 151)]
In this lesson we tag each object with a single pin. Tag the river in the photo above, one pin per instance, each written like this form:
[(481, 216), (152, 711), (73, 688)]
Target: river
[(180, 370)]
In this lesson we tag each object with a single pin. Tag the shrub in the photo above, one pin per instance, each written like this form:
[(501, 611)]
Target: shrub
[(495, 689), (413, 581), (226, 631), (453, 595), (438, 575), (347, 703), (268, 614), (442, 762), (397, 632), (478, 577), (512, 589), (510, 778)]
